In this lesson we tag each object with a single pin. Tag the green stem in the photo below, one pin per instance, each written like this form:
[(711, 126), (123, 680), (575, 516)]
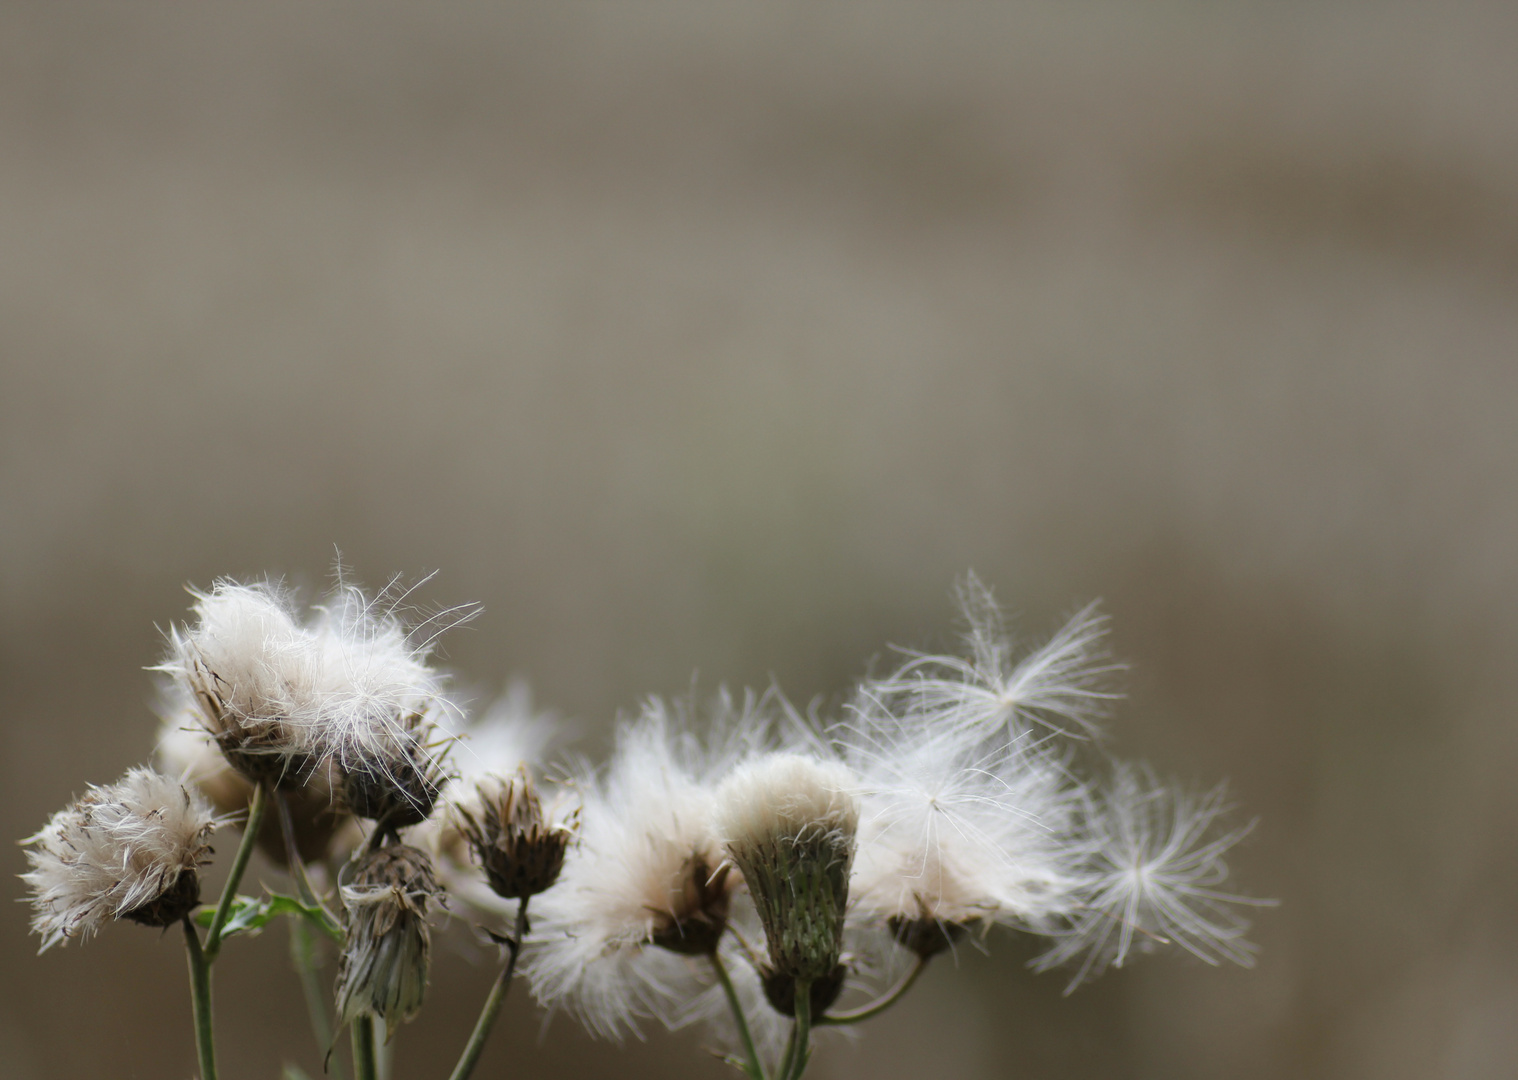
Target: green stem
[(363, 1048), (200, 997), (308, 967), (482, 1026), (881, 1004), (754, 1069), (803, 1030), (250, 829)]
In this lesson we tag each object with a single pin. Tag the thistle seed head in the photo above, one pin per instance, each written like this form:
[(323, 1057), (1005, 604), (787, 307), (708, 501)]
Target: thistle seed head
[(129, 850)]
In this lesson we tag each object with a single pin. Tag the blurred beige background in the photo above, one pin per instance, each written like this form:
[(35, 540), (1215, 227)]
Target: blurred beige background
[(723, 338)]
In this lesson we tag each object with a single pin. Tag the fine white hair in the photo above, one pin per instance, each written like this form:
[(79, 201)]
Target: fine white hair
[(1155, 865), (956, 830), (1064, 685), (647, 846), (116, 849)]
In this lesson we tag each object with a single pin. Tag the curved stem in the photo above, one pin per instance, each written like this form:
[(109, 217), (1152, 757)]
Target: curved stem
[(802, 1052), (754, 1069), (200, 997), (880, 1004), (363, 1048), (297, 866), (476, 1045), (256, 806)]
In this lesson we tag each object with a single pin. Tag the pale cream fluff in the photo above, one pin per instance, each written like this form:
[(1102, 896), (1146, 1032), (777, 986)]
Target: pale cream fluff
[(132, 849)]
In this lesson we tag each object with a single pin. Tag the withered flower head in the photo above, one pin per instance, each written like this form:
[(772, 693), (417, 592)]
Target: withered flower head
[(520, 849), (257, 677), (383, 968), (129, 850), (186, 751)]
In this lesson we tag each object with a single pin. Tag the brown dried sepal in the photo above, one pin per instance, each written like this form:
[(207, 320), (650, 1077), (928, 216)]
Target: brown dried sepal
[(925, 936), (397, 789), (168, 907), (780, 991), (258, 747), (697, 917), (519, 850)]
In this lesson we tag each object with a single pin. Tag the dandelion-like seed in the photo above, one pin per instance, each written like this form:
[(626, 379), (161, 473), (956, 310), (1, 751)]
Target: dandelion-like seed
[(129, 850), (1152, 880), (788, 823), (1063, 685), (383, 968), (519, 847)]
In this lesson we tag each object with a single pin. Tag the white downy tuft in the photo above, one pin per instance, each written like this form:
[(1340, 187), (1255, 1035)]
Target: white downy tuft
[(132, 849), (643, 893), (955, 831)]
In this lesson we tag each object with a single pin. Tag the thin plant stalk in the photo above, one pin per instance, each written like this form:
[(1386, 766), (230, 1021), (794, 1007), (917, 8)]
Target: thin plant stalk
[(292, 856), (200, 998), (754, 1069), (880, 1004), (362, 1031), (801, 1051), (303, 955), (256, 807), (476, 1045)]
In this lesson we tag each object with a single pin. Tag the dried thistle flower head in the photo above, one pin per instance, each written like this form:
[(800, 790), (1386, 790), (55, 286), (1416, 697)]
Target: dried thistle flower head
[(128, 850), (187, 751), (386, 733), (788, 822), (519, 847), (257, 676), (352, 690), (644, 889), (383, 968), (956, 831)]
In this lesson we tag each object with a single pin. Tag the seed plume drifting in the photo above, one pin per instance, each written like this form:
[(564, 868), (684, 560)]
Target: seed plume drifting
[(1154, 868), (128, 850)]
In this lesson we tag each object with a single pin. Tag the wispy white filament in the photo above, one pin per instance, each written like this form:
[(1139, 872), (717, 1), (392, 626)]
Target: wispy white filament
[(1065, 684), (1153, 879)]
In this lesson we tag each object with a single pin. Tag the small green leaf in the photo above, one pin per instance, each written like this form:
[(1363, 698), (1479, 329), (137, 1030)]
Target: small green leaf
[(294, 1072), (250, 915)]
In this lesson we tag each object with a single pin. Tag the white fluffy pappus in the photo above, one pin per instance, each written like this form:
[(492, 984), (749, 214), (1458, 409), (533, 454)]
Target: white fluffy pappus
[(643, 893), (132, 849), (1064, 684), (352, 687), (256, 673), (956, 831), (1152, 880), (787, 795), (377, 672)]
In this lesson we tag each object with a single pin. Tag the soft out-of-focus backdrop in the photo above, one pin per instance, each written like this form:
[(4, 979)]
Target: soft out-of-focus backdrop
[(723, 338)]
